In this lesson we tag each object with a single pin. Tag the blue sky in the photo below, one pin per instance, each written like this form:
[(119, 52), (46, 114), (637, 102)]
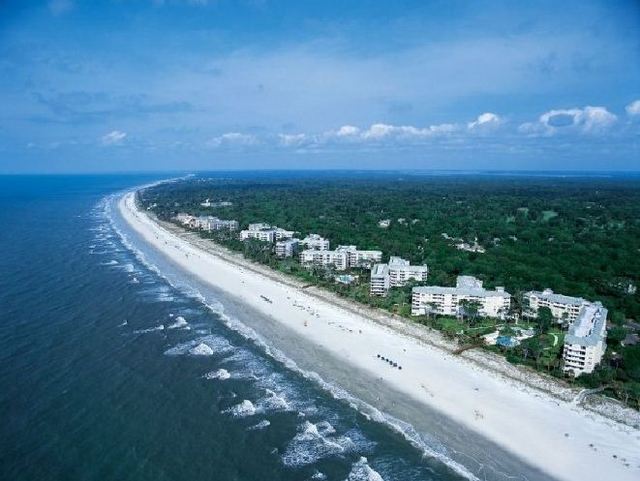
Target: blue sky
[(183, 85)]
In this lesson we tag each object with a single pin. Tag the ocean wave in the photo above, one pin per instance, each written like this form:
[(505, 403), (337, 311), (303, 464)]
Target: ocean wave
[(180, 323), (150, 329), (361, 471), (242, 410), (208, 344), (261, 425), (221, 374), (314, 442)]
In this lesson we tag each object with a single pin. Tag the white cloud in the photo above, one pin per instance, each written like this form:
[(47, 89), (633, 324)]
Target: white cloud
[(292, 140), (585, 120), (485, 121), (232, 139), (115, 137), (348, 131), (633, 109)]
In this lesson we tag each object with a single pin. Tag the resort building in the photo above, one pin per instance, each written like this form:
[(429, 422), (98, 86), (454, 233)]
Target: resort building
[(563, 308), (210, 223), (447, 300), (315, 242), (335, 259), (265, 233), (287, 247), (360, 258), (380, 280), (585, 342), (395, 274)]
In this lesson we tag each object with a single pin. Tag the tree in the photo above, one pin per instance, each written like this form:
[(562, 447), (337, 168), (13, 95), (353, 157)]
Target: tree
[(544, 319), (469, 309)]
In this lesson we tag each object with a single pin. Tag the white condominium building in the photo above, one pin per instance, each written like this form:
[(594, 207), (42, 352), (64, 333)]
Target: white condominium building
[(360, 258), (585, 342), (265, 233), (447, 300), (395, 274), (562, 307), (315, 242), (379, 280), (336, 259), (287, 247), (401, 271), (210, 223)]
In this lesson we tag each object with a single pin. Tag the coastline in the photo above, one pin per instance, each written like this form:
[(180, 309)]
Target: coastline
[(534, 426)]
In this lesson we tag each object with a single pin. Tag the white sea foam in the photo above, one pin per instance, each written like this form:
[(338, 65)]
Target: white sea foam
[(221, 374), (361, 471), (151, 329), (112, 262), (314, 442), (261, 425), (201, 350), (241, 410), (213, 344), (181, 322)]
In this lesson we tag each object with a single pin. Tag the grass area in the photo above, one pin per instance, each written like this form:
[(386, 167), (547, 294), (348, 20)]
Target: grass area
[(548, 215)]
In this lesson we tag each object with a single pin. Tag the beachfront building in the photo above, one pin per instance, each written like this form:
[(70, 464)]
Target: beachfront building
[(187, 220), (287, 247), (380, 281), (210, 223), (563, 308), (360, 258), (447, 300), (395, 274), (328, 259), (265, 233), (585, 341), (315, 242)]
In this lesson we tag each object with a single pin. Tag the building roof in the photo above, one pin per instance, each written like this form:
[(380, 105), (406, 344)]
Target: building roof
[(379, 270), (589, 327), (461, 291), (551, 296)]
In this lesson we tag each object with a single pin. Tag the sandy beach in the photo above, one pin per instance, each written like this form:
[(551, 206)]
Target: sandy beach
[(558, 437)]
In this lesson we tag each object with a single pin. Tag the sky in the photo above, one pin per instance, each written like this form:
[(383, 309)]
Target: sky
[(144, 85)]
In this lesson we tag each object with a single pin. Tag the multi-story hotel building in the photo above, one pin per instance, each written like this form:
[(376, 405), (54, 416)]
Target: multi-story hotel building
[(315, 242), (360, 258), (265, 233), (447, 300), (395, 274), (585, 341), (563, 308), (287, 247), (210, 223), (336, 259)]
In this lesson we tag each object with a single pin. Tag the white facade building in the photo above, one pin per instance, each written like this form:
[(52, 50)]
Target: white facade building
[(585, 342), (447, 300), (380, 281), (210, 223), (336, 259), (562, 307), (395, 274), (265, 232), (287, 247), (315, 242), (401, 271), (360, 258)]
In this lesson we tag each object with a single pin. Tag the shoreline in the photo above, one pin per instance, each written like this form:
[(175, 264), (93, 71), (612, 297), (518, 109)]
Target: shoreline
[(569, 441)]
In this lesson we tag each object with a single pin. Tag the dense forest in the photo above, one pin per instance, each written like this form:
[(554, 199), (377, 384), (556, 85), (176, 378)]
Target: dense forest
[(578, 236)]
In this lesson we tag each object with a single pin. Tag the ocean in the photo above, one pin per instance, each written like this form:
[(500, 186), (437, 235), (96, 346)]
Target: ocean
[(116, 366)]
